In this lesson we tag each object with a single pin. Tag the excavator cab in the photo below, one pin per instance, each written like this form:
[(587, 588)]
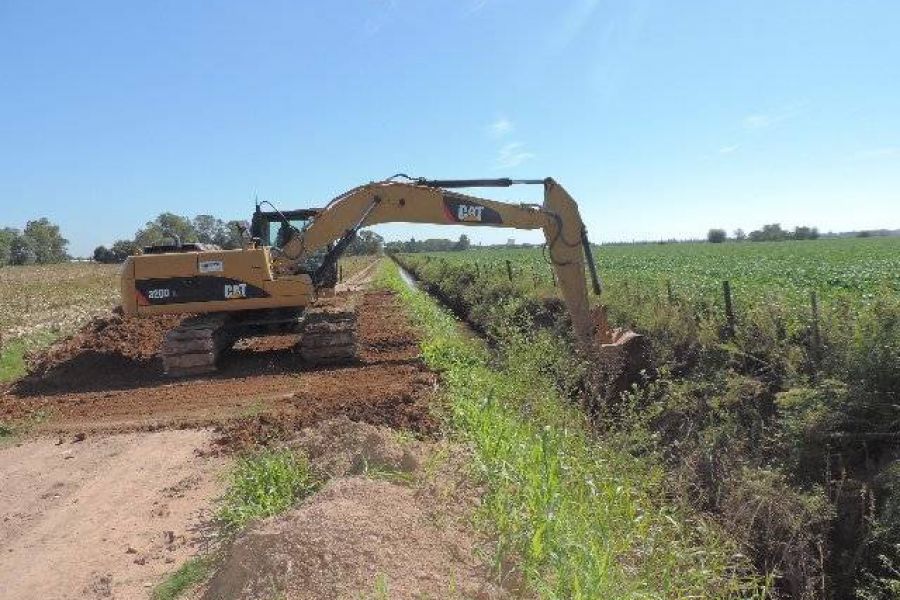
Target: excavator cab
[(276, 228)]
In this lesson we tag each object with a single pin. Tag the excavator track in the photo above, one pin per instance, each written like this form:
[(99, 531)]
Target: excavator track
[(329, 335), (193, 347)]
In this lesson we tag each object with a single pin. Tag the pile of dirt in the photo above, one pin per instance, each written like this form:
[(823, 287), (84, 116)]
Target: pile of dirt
[(355, 538), (107, 350), (340, 447), (364, 534)]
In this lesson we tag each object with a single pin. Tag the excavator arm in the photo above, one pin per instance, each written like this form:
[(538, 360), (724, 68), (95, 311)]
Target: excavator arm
[(437, 202)]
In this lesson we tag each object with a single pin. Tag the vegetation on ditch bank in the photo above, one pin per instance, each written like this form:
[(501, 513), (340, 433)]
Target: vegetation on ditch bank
[(264, 484), (580, 518), (785, 432)]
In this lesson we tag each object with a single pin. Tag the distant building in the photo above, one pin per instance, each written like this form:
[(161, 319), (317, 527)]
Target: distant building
[(511, 242)]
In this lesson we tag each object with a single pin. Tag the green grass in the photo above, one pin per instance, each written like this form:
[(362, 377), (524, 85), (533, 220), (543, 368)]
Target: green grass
[(12, 361), (582, 519), (264, 484), (187, 576)]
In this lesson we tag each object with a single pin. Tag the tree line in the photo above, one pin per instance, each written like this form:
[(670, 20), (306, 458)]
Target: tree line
[(769, 233), (206, 229), (39, 243), (431, 245), (202, 229)]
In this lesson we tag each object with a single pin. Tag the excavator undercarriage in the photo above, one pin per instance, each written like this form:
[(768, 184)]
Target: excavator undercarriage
[(327, 336)]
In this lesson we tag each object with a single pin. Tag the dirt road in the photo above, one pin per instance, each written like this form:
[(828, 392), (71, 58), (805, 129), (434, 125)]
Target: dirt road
[(104, 517)]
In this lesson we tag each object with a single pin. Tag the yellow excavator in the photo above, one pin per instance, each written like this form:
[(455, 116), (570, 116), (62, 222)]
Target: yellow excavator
[(287, 284)]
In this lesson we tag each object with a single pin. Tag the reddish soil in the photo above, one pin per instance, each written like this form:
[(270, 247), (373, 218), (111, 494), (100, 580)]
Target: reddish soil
[(108, 378)]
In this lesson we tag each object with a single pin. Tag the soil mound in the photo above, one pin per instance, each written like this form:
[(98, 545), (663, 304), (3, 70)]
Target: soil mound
[(340, 447), (108, 349), (393, 522), (356, 538)]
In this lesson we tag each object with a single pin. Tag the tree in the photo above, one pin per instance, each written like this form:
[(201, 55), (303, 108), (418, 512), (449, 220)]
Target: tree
[(463, 243), (769, 233), (7, 235), (716, 236), (739, 235), (160, 230), (806, 233), (117, 253), (45, 241), (122, 249), (21, 251), (366, 242), (102, 254), (211, 230), (233, 239)]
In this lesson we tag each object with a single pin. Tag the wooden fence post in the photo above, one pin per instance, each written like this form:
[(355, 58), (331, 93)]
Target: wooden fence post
[(816, 333), (729, 309), (509, 270), (669, 293)]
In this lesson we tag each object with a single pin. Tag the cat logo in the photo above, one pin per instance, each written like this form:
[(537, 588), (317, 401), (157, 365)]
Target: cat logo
[(469, 212), (458, 210), (237, 290)]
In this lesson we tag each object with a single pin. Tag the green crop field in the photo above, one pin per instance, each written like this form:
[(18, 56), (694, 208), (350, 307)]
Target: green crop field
[(777, 274)]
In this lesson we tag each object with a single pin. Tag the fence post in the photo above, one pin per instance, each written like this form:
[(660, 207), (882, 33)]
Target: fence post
[(669, 293), (340, 272), (729, 309), (816, 333), (509, 270)]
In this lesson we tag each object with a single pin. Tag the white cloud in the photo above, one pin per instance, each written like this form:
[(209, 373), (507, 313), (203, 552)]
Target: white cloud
[(729, 149), (501, 127), (512, 154)]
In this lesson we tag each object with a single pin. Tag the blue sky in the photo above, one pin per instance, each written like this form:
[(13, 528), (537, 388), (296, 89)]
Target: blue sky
[(662, 118)]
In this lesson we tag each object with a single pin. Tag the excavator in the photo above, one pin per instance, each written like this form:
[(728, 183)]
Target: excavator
[(287, 285)]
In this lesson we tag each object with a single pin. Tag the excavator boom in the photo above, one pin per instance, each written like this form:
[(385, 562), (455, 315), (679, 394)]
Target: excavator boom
[(436, 202)]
